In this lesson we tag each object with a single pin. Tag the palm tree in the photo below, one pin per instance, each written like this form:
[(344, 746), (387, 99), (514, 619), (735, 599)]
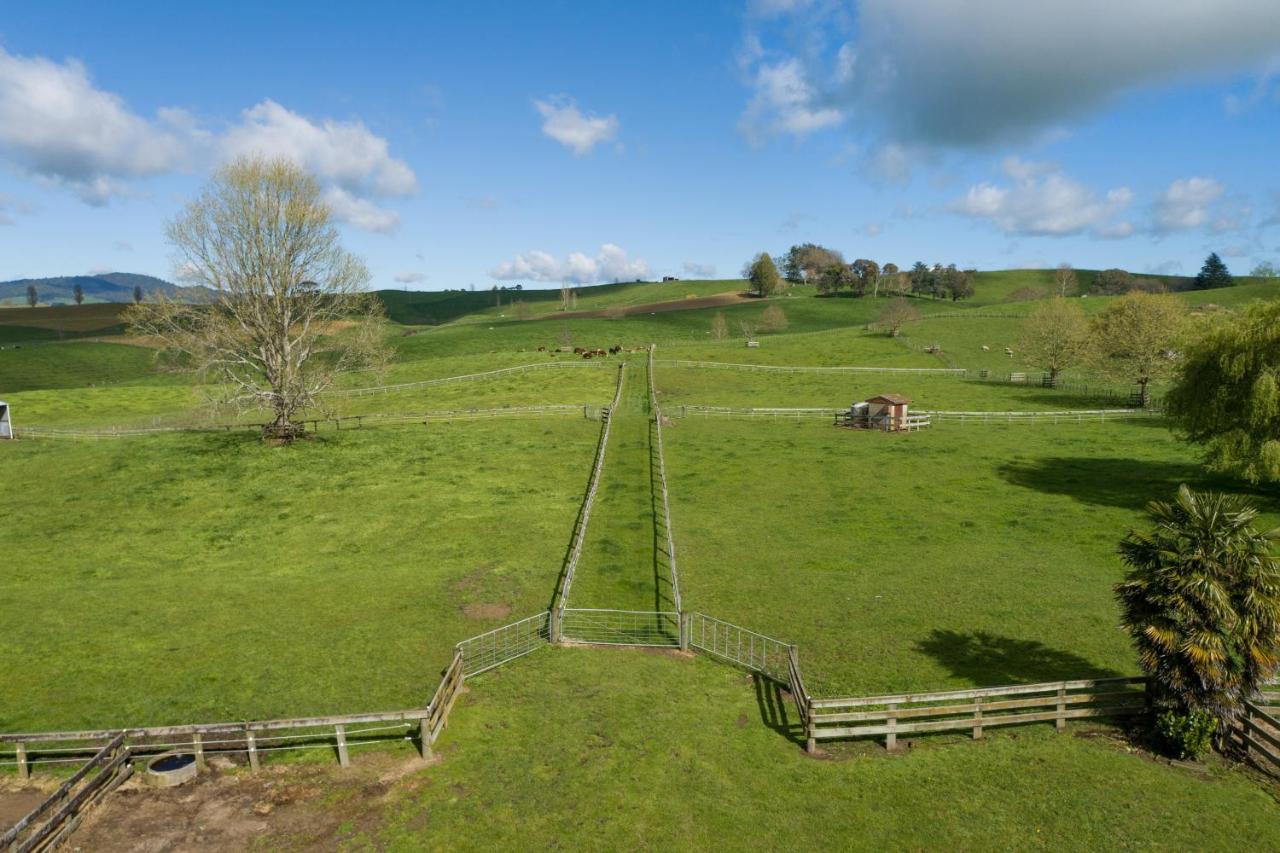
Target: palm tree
[(1201, 601)]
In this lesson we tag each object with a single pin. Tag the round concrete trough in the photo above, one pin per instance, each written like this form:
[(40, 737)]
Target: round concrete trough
[(171, 769)]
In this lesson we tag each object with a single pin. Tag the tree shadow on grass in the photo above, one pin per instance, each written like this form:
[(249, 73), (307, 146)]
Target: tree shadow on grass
[(1128, 483), (990, 660)]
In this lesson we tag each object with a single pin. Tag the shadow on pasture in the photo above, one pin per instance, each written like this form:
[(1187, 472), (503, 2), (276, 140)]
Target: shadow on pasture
[(775, 709), (1128, 483), (990, 660)]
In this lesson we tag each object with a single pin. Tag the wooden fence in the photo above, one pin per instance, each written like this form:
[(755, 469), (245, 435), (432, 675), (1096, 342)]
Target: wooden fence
[(1257, 737), (584, 514), (657, 450), (973, 710), (49, 823), (783, 368)]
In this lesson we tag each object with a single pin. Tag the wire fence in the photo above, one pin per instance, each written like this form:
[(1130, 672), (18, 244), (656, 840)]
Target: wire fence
[(662, 484), (781, 368), (621, 627), (466, 377), (584, 514), (1065, 416), (493, 648), (740, 646)]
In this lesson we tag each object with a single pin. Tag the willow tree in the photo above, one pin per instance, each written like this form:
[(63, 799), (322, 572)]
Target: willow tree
[(287, 309), (1227, 394)]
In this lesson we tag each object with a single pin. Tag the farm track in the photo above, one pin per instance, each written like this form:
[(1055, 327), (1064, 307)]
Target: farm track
[(619, 559)]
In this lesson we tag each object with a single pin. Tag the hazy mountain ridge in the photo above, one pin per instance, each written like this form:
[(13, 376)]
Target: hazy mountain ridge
[(105, 287)]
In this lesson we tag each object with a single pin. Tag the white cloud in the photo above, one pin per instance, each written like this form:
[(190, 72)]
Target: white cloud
[(784, 102), (575, 130), (1165, 268), (409, 277), (951, 74), (55, 124), (700, 270), (873, 229), (99, 270), (1185, 204), (360, 212), (1043, 201), (609, 264), (123, 246), (345, 154)]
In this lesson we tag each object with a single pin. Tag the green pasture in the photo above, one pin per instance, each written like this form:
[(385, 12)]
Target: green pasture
[(184, 578), (624, 750), (959, 555)]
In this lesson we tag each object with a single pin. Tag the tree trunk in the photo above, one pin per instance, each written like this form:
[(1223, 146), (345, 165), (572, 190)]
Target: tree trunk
[(1144, 393)]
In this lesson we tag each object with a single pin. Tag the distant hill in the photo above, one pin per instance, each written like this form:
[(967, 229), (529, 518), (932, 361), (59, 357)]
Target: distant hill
[(107, 287)]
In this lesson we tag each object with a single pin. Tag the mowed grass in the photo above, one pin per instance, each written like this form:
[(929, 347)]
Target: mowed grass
[(191, 578), (624, 750), (959, 555)]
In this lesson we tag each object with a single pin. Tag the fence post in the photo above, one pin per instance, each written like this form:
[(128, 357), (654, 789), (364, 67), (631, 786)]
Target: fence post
[(24, 770), (556, 628), (977, 718), (684, 631), (340, 732), (197, 741), (253, 750), (1060, 723), (424, 736), (891, 739)]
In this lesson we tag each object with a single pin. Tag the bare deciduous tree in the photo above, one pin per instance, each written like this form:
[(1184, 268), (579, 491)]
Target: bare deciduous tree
[(288, 311), (1064, 279), (896, 314), (719, 327), (1055, 336), (773, 319)]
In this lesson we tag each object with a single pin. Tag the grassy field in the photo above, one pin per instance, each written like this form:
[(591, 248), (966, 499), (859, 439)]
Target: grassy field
[(625, 750), (959, 555), (183, 578), (209, 576)]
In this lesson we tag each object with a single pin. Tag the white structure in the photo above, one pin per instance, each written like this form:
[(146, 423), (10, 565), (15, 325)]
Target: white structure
[(6, 428)]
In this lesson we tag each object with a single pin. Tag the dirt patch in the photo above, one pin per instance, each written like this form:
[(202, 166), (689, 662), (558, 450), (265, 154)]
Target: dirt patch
[(16, 803), (719, 300), (486, 611), (303, 807)]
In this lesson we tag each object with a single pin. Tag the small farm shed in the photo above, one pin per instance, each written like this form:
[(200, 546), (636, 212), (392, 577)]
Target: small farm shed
[(887, 412), (6, 426)]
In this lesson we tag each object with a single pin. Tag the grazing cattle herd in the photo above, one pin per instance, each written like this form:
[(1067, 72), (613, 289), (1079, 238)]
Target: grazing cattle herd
[(589, 352)]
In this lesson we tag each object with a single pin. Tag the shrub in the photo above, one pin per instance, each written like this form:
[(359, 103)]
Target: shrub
[(1186, 736)]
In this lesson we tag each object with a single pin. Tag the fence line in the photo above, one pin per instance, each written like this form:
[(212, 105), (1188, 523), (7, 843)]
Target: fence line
[(314, 424), (584, 515), (466, 377), (1257, 736), (620, 627), (1055, 416), (728, 365), (973, 710), (483, 652), (737, 645), (111, 763), (662, 481)]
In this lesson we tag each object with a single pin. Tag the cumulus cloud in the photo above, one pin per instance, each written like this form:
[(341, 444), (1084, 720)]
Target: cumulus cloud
[(784, 102), (1042, 201), (56, 125), (577, 268), (1185, 204), (575, 130), (351, 160), (700, 270), (409, 277), (942, 73)]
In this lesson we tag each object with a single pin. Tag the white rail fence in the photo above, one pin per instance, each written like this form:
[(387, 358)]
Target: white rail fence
[(823, 412), (783, 368)]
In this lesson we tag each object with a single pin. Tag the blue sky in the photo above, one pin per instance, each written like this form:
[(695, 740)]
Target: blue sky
[(468, 143)]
